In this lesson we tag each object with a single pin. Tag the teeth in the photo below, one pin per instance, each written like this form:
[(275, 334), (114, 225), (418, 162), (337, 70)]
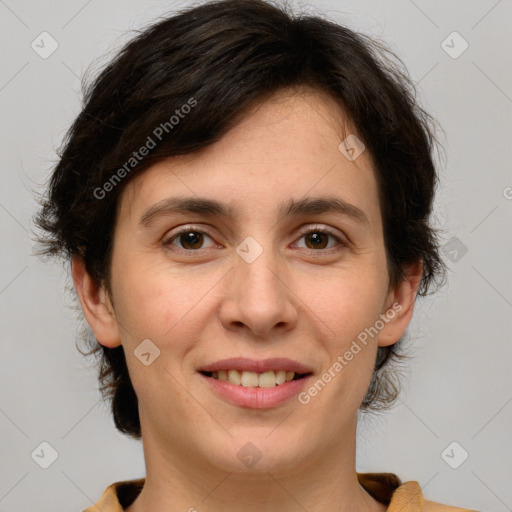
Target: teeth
[(281, 377), (253, 380), (249, 379), (234, 377), (267, 380)]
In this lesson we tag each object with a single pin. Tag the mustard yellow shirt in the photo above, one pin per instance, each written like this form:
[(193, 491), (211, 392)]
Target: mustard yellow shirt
[(384, 487)]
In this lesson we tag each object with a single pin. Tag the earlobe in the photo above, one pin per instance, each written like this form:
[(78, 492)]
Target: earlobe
[(96, 305), (400, 302)]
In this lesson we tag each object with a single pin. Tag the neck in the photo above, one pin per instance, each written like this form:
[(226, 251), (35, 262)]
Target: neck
[(325, 481)]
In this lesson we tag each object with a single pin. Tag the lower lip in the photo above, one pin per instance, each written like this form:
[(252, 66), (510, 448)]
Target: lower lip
[(257, 398)]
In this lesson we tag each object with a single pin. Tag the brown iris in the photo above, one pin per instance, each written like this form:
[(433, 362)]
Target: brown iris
[(192, 239), (317, 236)]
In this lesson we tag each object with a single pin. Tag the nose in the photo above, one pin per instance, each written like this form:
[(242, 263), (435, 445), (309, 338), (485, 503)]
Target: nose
[(258, 297)]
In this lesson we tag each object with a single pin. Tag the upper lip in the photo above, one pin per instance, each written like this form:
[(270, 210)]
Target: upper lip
[(258, 366)]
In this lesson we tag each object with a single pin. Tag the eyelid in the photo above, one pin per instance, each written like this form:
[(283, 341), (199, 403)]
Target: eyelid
[(319, 227)]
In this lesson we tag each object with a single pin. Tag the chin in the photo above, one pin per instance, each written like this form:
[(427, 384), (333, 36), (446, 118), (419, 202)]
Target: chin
[(264, 451)]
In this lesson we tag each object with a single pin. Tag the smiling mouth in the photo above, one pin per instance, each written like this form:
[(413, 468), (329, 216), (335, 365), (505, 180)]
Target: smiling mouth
[(250, 379)]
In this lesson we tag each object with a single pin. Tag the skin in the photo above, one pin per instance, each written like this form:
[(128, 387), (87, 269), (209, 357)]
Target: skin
[(295, 300)]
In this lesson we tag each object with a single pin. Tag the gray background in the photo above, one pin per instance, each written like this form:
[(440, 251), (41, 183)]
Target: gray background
[(459, 384)]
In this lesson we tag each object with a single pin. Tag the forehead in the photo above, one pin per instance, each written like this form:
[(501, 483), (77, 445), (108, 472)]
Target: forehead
[(283, 149)]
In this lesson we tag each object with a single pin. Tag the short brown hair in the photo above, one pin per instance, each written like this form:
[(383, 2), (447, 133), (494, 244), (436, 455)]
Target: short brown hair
[(227, 55)]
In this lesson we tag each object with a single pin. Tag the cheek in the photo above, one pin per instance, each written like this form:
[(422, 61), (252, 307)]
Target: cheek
[(346, 303), (346, 310), (163, 306), (145, 309), (161, 303)]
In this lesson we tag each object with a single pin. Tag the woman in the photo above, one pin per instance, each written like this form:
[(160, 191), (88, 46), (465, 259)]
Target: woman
[(245, 199)]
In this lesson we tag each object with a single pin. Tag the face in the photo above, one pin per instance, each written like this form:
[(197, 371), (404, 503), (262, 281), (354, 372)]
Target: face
[(263, 254)]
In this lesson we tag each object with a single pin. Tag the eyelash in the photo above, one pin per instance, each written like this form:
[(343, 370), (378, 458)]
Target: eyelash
[(192, 229)]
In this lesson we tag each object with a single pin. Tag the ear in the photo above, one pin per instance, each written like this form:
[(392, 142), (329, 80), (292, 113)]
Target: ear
[(400, 306), (96, 305)]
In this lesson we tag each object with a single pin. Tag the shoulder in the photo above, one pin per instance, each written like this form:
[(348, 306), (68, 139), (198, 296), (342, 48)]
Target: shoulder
[(409, 496), (400, 497), (118, 496)]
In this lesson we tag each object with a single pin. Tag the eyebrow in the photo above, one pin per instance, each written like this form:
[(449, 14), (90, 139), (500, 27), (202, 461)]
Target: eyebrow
[(302, 207)]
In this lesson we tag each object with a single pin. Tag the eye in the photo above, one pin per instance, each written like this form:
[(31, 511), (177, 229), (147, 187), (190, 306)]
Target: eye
[(318, 239), (190, 239)]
